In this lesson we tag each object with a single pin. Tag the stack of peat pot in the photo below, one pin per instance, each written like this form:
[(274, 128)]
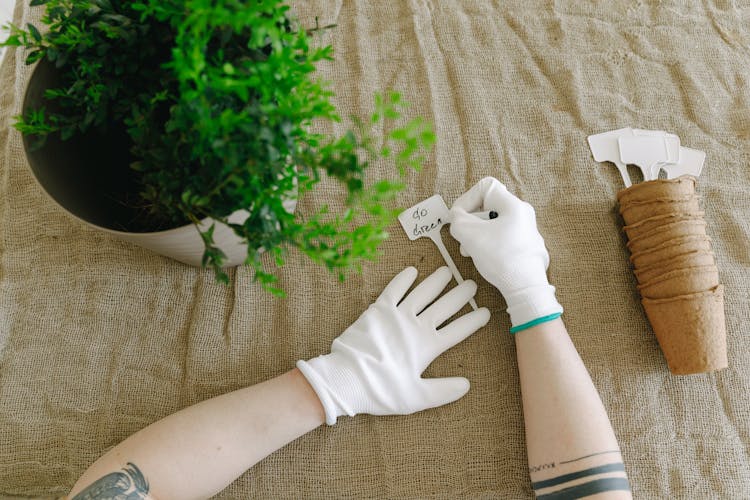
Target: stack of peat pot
[(676, 272)]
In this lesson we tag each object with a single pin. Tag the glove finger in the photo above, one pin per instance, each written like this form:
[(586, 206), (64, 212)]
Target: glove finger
[(441, 391), (450, 303), (464, 226), (399, 285), (427, 291), (463, 251), (473, 199), (460, 329), (488, 194), (497, 197)]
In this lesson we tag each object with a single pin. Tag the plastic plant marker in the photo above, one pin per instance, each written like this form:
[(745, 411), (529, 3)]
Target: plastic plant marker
[(673, 148), (604, 147), (673, 152), (672, 142), (691, 163), (425, 219), (645, 152)]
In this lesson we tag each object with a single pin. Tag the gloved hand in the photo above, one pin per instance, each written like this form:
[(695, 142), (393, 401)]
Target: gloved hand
[(508, 251), (375, 366)]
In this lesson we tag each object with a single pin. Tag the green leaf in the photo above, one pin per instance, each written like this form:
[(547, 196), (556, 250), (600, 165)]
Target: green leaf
[(34, 32), (34, 56)]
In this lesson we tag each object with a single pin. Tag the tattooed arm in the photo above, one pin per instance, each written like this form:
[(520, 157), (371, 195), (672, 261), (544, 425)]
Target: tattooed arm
[(197, 452), (572, 449)]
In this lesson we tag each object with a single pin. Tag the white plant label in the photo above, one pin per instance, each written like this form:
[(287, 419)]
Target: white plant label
[(643, 151), (425, 219), (604, 147), (650, 150), (691, 163)]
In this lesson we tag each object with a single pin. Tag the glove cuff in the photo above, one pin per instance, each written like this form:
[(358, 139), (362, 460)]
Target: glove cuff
[(327, 380), (320, 388), (531, 306)]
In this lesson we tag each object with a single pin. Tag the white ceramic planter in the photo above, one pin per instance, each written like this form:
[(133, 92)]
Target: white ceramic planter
[(80, 174)]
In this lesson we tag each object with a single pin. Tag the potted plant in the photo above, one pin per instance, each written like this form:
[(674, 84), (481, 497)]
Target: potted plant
[(198, 116)]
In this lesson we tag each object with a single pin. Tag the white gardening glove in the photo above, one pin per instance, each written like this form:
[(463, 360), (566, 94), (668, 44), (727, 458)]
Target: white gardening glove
[(508, 251), (375, 366)]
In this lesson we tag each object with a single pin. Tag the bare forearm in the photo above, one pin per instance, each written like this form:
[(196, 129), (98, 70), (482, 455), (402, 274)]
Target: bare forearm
[(197, 452), (569, 438)]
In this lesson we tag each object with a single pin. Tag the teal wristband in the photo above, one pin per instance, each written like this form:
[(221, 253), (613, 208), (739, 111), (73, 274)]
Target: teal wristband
[(535, 322)]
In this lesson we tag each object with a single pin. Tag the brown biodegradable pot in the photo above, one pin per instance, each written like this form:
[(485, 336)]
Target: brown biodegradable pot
[(671, 249), (687, 261), (691, 330), (640, 210), (681, 282), (661, 234), (659, 188), (645, 226)]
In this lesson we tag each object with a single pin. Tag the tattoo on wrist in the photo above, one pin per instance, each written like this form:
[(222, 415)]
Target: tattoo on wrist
[(129, 484), (537, 468), (587, 480), (591, 455), (552, 465)]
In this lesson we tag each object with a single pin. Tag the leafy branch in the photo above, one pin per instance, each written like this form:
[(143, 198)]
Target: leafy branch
[(218, 99)]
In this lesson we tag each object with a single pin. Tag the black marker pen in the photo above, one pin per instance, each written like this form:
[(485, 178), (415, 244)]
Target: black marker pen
[(486, 215)]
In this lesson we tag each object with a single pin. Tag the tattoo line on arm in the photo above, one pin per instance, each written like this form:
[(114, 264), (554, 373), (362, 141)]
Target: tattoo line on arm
[(617, 467), (592, 455), (127, 485), (587, 489), (560, 487), (552, 465)]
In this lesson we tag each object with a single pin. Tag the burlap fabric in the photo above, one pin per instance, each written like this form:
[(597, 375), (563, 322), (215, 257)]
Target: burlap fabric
[(99, 338)]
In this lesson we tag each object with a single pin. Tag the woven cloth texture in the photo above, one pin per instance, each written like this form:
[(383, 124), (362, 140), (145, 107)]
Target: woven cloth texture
[(99, 338)]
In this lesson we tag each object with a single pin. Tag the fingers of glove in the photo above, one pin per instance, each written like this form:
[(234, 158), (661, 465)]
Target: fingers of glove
[(399, 285), (466, 227), (463, 251), (460, 329), (473, 199), (449, 304), (497, 197), (427, 291), (487, 194), (441, 391)]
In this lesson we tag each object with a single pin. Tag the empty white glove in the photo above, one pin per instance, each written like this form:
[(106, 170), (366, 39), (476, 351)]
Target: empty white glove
[(375, 366), (508, 251)]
